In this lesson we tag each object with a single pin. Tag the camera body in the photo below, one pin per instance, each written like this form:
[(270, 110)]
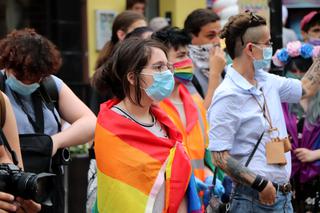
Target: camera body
[(37, 187)]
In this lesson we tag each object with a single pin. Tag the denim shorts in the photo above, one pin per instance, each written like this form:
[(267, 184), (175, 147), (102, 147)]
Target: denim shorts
[(246, 199)]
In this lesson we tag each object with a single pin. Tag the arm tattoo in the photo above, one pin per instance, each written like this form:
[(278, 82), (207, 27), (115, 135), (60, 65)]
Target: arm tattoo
[(311, 79), (233, 168)]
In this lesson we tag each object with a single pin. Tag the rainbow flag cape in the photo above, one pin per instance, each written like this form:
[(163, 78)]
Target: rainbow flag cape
[(133, 164)]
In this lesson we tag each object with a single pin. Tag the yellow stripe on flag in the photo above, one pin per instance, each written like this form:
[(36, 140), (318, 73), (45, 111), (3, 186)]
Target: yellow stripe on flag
[(121, 161), (118, 197)]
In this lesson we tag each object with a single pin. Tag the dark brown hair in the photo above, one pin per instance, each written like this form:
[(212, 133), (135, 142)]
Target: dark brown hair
[(131, 3), (315, 20), (172, 37), (197, 19), (234, 30), (122, 22), (29, 55), (130, 55)]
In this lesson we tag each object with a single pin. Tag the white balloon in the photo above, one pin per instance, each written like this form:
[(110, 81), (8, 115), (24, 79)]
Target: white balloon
[(219, 4), (229, 11)]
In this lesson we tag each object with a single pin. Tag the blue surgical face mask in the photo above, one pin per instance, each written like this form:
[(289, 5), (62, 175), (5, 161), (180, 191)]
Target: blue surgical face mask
[(21, 88), (264, 63), (162, 86)]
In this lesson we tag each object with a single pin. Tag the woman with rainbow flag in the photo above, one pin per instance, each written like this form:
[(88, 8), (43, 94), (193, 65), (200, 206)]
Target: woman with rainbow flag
[(142, 165)]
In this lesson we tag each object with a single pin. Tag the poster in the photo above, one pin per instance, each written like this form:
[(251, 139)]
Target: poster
[(104, 20)]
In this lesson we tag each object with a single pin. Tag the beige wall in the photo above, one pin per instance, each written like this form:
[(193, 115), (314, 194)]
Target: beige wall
[(180, 9), (92, 5)]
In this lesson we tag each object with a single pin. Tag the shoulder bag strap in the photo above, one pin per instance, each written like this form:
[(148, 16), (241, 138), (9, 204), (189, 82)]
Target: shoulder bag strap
[(38, 124), (247, 162), (50, 98), (2, 110), (254, 150), (3, 140)]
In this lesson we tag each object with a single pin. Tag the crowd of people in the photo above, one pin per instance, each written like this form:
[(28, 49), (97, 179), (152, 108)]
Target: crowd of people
[(183, 125)]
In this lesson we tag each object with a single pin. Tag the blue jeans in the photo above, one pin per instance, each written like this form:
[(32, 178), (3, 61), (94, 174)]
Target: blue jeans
[(246, 199)]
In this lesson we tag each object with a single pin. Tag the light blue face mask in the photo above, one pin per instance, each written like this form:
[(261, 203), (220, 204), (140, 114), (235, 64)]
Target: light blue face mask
[(264, 63), (21, 88), (162, 86)]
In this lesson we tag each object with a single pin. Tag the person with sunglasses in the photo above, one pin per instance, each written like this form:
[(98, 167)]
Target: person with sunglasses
[(248, 135)]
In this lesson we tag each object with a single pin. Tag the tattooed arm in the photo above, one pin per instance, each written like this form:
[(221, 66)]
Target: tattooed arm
[(311, 80), (242, 175), (233, 168)]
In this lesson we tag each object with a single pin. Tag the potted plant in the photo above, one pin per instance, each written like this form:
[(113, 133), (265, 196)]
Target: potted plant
[(77, 178)]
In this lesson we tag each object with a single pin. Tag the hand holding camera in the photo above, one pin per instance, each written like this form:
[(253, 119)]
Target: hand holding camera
[(37, 187)]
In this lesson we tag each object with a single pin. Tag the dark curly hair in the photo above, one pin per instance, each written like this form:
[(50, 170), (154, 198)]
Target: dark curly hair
[(172, 37), (29, 55), (235, 29)]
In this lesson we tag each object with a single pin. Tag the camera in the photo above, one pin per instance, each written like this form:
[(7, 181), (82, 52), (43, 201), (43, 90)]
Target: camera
[(37, 187), (62, 157)]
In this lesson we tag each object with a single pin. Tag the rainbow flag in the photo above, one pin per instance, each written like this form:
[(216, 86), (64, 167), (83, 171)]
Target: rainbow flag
[(183, 70), (133, 164)]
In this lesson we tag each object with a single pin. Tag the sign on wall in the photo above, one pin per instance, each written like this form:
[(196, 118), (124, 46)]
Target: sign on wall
[(104, 20)]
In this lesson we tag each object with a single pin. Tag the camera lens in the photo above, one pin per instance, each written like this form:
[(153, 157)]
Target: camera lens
[(36, 187), (44, 183)]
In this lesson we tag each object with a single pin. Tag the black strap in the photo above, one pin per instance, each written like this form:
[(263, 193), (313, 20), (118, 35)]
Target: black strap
[(6, 144), (38, 123), (2, 81), (254, 149), (247, 162), (197, 85), (214, 176), (49, 100), (38, 111), (48, 86)]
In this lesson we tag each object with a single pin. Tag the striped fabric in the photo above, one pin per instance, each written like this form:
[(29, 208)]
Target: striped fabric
[(183, 70), (194, 134), (133, 164)]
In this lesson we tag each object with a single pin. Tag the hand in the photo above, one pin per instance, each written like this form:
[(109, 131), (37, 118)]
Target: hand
[(27, 206), (268, 195), (217, 60), (6, 203), (200, 185), (305, 155), (218, 190)]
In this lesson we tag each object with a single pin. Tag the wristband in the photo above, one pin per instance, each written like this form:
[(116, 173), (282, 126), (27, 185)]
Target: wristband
[(259, 183)]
